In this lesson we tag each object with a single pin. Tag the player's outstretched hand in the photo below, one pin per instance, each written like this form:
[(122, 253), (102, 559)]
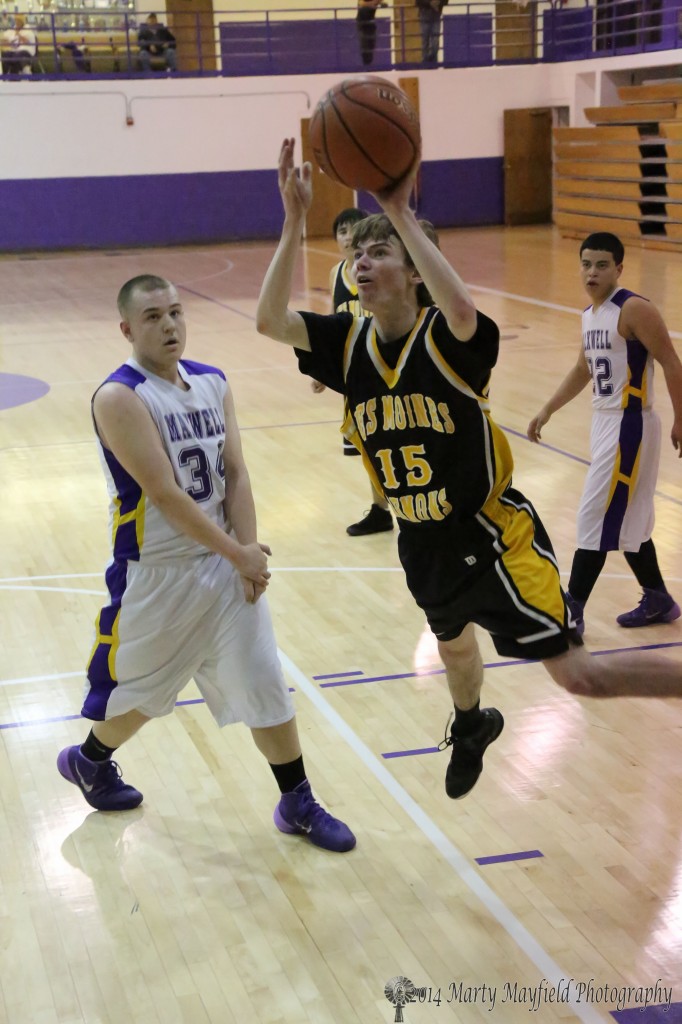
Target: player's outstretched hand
[(252, 563), (535, 426), (397, 196), (296, 188), (317, 387)]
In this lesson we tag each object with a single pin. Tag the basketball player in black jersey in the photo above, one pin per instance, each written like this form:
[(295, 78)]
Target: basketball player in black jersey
[(416, 377)]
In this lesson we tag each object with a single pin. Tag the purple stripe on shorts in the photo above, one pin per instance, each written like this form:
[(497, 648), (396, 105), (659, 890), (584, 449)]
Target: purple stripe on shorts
[(102, 682), (501, 858), (629, 443)]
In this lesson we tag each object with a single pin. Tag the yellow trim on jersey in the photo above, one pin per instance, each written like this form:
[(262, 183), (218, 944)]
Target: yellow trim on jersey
[(347, 280), (349, 346), (389, 375), (138, 515), (453, 378), (641, 393)]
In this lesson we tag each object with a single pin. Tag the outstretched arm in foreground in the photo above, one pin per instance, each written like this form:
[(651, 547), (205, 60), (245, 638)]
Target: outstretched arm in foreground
[(273, 316)]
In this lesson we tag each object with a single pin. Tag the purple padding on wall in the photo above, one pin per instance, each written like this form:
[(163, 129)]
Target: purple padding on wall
[(455, 193), (177, 209), (163, 209)]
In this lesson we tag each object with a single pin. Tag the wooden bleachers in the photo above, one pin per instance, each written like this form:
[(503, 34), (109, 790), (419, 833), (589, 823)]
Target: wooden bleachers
[(625, 173)]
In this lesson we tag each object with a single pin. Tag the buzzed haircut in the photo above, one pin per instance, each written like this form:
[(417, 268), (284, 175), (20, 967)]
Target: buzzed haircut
[(604, 241), (143, 283), (378, 228), (351, 215)]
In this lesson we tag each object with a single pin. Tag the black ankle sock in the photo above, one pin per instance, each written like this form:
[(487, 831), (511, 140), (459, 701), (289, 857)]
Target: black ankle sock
[(584, 573), (644, 564), (290, 775), (94, 750), (466, 722)]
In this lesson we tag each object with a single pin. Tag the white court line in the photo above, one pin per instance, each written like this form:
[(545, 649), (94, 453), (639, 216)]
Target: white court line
[(56, 590), (42, 679), (454, 857), (274, 569)]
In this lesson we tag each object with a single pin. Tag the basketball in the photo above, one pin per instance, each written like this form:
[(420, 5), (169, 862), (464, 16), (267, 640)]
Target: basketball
[(364, 133)]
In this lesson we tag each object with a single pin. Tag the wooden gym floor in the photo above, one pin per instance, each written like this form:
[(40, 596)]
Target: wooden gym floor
[(193, 908)]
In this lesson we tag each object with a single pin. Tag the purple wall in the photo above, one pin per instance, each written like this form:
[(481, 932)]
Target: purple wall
[(173, 209)]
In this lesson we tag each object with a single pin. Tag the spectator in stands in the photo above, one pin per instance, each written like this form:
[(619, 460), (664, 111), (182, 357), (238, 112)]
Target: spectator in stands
[(429, 22), (367, 28), (19, 45), (155, 40)]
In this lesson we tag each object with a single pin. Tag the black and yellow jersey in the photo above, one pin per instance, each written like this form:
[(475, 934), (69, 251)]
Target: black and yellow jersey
[(344, 291), (417, 410)]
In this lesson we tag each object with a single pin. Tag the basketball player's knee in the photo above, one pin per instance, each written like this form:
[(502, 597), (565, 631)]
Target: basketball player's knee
[(460, 658), (580, 678)]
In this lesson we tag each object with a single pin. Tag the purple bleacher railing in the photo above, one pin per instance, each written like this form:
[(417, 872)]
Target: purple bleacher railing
[(271, 42)]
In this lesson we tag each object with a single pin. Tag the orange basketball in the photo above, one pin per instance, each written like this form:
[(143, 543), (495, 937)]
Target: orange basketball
[(365, 133)]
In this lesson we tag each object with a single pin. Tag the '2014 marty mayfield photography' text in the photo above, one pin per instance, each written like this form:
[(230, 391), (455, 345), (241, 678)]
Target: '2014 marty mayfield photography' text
[(534, 996)]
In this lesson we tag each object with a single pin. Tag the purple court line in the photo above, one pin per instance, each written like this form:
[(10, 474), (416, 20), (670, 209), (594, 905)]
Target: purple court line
[(501, 858), (488, 664), (337, 675), (72, 718), (217, 302), (276, 426), (408, 753)]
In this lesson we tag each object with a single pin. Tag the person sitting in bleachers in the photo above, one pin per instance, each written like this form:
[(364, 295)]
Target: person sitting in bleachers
[(155, 40), (19, 46)]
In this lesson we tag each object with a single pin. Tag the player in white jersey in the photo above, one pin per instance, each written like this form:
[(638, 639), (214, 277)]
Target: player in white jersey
[(622, 335), (188, 574)]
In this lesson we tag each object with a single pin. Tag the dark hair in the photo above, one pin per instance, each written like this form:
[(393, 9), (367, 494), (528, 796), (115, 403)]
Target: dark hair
[(352, 215), (152, 15), (378, 228), (605, 242), (143, 283)]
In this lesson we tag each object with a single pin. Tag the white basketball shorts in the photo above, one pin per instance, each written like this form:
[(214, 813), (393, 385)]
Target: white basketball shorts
[(167, 624), (617, 506)]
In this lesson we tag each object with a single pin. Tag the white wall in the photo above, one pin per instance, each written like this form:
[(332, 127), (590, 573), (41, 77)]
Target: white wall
[(179, 126)]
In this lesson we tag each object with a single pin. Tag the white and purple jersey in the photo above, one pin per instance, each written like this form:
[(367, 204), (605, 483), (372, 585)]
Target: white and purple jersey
[(622, 369), (192, 428)]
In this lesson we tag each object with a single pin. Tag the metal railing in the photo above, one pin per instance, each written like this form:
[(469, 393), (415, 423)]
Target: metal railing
[(309, 41)]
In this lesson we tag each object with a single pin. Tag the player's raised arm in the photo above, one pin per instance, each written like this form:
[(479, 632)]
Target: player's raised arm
[(273, 316), (447, 289)]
